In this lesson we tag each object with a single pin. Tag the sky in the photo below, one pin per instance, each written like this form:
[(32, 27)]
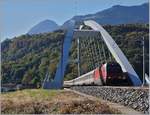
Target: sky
[(18, 16)]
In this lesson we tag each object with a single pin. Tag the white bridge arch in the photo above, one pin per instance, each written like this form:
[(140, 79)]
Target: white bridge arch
[(110, 43)]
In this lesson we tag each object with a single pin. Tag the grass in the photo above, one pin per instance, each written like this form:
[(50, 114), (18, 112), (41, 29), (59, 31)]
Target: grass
[(40, 101), (32, 93)]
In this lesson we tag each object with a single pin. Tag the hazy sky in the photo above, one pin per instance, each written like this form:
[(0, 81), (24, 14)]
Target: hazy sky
[(18, 16)]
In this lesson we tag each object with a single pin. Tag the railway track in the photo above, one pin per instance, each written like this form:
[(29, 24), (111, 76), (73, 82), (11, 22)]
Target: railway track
[(122, 87)]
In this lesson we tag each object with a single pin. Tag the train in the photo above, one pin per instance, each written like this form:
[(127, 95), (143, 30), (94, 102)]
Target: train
[(108, 74)]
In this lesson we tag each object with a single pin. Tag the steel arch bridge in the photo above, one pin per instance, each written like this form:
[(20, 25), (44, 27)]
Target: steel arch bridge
[(97, 29)]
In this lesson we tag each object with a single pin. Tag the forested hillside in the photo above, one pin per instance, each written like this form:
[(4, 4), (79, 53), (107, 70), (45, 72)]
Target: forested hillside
[(26, 59)]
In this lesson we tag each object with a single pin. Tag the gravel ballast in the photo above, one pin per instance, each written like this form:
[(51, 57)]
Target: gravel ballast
[(134, 97)]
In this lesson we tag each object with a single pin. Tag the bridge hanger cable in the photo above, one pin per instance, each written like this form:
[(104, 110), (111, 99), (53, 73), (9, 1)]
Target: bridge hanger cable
[(95, 53), (99, 51), (103, 50), (87, 46), (88, 53), (92, 53)]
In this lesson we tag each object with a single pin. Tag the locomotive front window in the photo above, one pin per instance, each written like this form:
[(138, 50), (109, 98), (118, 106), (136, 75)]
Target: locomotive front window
[(113, 69)]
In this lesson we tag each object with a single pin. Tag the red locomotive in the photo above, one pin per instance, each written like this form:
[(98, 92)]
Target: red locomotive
[(111, 74)]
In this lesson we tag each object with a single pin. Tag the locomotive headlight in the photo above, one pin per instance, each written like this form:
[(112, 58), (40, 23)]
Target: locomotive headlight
[(124, 78), (119, 77), (109, 77)]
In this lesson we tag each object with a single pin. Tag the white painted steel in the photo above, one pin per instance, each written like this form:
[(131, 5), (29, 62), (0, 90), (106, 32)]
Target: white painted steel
[(147, 79), (83, 34), (59, 76)]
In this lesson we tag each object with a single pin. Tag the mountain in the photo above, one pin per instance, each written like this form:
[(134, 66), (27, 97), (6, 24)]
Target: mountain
[(117, 15), (43, 27)]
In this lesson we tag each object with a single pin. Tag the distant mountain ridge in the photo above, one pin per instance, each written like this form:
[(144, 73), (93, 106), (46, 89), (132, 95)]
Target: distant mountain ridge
[(117, 14), (44, 26)]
